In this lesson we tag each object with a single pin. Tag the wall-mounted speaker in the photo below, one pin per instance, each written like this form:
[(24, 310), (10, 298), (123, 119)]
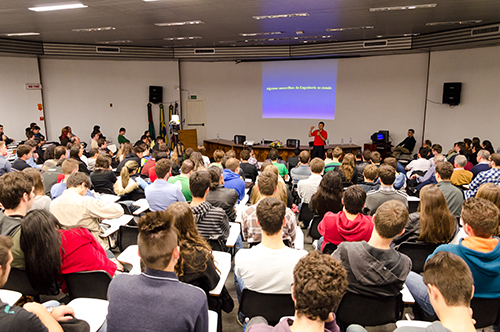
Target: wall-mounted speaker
[(155, 94), (451, 93)]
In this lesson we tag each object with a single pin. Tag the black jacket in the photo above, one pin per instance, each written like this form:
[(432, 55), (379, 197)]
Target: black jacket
[(225, 198)]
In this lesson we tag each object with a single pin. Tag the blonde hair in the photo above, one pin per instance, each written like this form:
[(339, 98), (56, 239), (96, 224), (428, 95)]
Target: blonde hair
[(490, 192), (347, 167), (129, 167)]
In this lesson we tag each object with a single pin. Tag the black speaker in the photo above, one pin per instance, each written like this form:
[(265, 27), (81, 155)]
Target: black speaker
[(451, 93), (155, 94)]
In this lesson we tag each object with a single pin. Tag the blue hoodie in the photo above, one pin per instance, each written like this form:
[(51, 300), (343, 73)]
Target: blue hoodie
[(485, 267), (233, 181)]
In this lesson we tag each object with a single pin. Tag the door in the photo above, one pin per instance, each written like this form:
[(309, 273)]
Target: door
[(195, 118)]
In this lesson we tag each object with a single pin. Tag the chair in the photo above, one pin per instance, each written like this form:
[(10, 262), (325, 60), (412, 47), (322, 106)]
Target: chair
[(127, 235), (239, 139), (270, 306), (329, 248), (292, 143), (312, 231), (418, 253), (368, 310), (19, 281), (90, 284), (486, 312), (305, 214)]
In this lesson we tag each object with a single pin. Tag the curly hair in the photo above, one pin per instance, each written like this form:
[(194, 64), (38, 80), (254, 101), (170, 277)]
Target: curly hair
[(319, 282)]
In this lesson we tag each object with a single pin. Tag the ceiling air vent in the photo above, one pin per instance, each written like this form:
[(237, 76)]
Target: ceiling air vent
[(204, 51), (378, 43), (485, 31), (104, 49)]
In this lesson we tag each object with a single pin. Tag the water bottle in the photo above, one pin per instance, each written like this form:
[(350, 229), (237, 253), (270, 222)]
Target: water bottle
[(342, 141), (262, 142), (327, 142), (350, 140), (296, 144), (217, 137)]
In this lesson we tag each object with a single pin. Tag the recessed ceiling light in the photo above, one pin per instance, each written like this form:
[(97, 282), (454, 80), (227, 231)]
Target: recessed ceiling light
[(178, 23), (57, 7), (260, 33), (115, 42), (384, 9), (94, 29), (280, 16), (350, 28), (183, 38), (454, 22), (328, 37), (20, 34)]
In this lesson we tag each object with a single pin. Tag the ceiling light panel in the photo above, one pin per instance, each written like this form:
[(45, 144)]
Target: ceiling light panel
[(171, 24), (94, 29), (183, 38), (409, 7), (57, 7), (263, 17), (453, 22), (20, 34), (260, 33), (350, 28)]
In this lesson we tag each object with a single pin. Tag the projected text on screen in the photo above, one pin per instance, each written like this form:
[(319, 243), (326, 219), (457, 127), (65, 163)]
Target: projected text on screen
[(299, 89)]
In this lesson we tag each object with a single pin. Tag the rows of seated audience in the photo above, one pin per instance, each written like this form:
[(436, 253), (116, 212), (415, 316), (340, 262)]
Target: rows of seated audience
[(53, 199)]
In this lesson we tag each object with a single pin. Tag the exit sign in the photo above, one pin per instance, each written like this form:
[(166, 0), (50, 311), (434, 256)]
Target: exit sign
[(33, 86), (193, 97)]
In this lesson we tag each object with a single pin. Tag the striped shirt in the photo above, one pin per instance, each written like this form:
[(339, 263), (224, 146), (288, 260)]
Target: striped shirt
[(212, 222), (492, 175)]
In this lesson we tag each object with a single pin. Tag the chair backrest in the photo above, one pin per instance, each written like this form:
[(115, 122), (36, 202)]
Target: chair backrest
[(305, 213), (127, 236), (239, 139), (293, 143), (486, 312), (418, 253), (91, 284), (329, 248), (313, 228), (19, 281), (369, 311), (270, 306)]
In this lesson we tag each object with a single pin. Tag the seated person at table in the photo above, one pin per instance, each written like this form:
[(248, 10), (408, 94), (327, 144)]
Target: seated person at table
[(302, 171), (267, 267), (319, 282), (160, 194), (373, 268), (374, 199), (232, 179), (480, 250), (69, 166), (212, 222), (53, 250), (249, 169), (182, 180), (103, 178), (219, 196), (370, 174), (73, 208), (17, 197), (349, 224), (32, 316), (252, 233), (24, 152), (170, 304)]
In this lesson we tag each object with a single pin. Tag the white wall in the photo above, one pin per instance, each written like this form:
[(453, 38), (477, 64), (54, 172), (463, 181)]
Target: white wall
[(18, 106), (78, 93), (372, 93), (478, 113)]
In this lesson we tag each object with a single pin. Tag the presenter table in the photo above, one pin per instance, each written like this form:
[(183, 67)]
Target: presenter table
[(261, 151)]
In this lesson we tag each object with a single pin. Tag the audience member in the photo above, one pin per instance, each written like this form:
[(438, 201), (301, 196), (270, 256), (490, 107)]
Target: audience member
[(24, 152), (302, 171), (375, 158), (51, 176), (170, 304), (219, 196), (69, 167), (4, 163), (198, 162), (41, 201), (374, 199), (482, 163), (329, 195), (135, 154), (400, 182), (293, 161), (349, 224), (319, 282), (16, 196), (480, 250), (252, 233), (103, 178), (217, 156), (454, 196), (306, 188), (212, 222), (360, 165), (420, 165), (490, 192), (491, 175), (182, 180), (232, 179), (123, 151), (4, 138), (130, 185), (121, 136), (250, 170), (335, 156), (348, 171), (76, 153), (73, 208), (373, 268), (370, 174), (460, 176), (430, 176), (160, 194), (95, 137)]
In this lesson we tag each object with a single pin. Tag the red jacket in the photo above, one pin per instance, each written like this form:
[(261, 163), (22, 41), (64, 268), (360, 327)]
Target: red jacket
[(336, 228)]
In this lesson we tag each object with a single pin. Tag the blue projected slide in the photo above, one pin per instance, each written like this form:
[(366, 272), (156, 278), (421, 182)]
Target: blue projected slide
[(302, 89)]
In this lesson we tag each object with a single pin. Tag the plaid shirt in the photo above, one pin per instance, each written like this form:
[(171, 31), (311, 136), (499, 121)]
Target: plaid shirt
[(492, 175), (252, 233)]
